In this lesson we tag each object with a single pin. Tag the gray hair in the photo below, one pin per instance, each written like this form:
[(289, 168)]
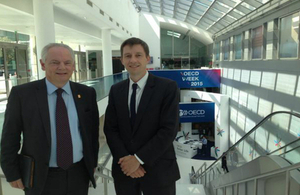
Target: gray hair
[(50, 45)]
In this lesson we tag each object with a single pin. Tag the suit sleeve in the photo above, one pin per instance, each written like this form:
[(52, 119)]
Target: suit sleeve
[(95, 132), (168, 127), (111, 129), (11, 137)]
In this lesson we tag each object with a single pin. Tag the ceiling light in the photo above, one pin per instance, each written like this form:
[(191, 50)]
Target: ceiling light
[(173, 34)]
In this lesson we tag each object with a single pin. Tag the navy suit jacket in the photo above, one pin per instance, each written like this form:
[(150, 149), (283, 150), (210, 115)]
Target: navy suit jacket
[(152, 136), (27, 113)]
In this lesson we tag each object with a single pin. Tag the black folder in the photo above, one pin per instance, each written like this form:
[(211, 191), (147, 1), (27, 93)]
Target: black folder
[(27, 169)]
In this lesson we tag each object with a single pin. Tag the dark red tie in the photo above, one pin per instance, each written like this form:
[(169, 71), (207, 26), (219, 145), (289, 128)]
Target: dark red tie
[(132, 104), (64, 146)]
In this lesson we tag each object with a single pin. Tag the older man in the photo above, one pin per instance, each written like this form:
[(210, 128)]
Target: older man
[(59, 122)]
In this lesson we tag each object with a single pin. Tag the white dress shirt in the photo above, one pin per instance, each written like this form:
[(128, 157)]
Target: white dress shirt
[(139, 90)]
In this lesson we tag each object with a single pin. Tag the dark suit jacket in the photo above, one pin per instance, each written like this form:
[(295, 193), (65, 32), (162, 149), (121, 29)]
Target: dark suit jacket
[(152, 136), (27, 113)]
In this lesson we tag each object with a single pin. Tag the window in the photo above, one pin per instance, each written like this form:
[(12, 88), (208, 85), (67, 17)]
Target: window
[(217, 51), (257, 42), (226, 49), (181, 51), (289, 30), (238, 47), (6, 36)]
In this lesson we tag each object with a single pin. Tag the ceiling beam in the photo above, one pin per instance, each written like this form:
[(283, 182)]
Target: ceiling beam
[(189, 11), (149, 6), (161, 7), (175, 6)]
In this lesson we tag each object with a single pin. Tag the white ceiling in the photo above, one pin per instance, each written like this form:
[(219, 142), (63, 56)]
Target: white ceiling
[(23, 22)]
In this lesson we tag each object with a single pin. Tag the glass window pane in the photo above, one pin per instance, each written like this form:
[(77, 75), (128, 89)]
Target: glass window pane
[(181, 45), (226, 49), (166, 44), (32, 59), (257, 42), (289, 30), (22, 73), (238, 47), (217, 51), (198, 56), (23, 39), (6, 36)]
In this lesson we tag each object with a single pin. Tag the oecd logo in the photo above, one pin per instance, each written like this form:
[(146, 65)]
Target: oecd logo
[(191, 113), (190, 73)]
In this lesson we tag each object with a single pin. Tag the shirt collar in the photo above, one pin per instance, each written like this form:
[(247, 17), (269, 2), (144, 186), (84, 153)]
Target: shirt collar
[(142, 82), (52, 88)]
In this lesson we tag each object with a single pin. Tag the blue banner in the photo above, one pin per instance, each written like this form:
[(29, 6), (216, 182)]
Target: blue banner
[(197, 112), (192, 78)]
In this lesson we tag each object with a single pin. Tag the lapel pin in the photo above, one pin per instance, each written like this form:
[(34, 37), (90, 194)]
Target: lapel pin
[(79, 96)]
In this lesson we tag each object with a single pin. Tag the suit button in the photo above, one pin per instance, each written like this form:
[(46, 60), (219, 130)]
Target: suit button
[(132, 142)]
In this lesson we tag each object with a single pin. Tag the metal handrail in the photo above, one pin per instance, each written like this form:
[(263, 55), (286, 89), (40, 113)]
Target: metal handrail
[(246, 135), (106, 177), (274, 172), (106, 160), (194, 176), (100, 174)]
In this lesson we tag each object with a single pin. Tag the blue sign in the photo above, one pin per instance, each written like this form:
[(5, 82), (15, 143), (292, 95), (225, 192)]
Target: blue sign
[(197, 112), (192, 78)]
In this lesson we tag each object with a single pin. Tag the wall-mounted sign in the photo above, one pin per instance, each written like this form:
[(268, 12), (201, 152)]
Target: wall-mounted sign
[(197, 112), (192, 78)]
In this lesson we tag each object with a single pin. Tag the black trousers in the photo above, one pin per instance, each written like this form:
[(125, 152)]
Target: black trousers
[(73, 181), (135, 187)]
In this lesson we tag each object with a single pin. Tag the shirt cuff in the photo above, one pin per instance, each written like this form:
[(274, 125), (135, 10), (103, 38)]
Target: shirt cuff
[(141, 162)]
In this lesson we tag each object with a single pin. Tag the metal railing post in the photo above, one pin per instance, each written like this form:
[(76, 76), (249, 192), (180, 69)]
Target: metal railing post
[(287, 182), (255, 186), (204, 175), (105, 186)]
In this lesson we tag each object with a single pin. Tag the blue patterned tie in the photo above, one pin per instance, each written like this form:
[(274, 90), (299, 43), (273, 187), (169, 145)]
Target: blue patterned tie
[(132, 104), (64, 146)]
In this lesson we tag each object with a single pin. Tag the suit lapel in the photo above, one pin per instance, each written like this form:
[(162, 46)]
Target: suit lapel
[(42, 99), (144, 102)]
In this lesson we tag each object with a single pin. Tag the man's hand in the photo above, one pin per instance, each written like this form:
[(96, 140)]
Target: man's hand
[(17, 184), (129, 164), (140, 172)]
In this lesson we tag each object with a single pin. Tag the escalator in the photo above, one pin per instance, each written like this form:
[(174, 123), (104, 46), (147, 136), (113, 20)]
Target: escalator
[(265, 161)]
